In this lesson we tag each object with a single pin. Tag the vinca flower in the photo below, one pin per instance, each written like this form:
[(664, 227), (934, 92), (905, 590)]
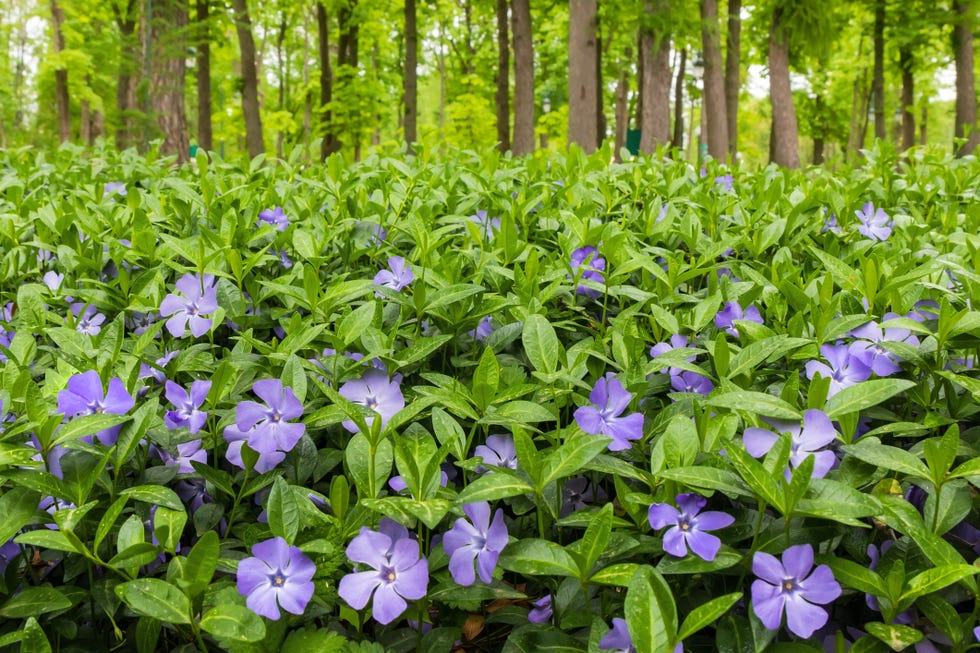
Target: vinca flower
[(274, 217), (816, 432), (147, 372), (266, 425), (397, 573), (499, 451), (53, 280), (725, 319), (618, 639), (790, 587), (276, 576), (676, 342), (398, 276), (140, 322), (541, 612), (115, 188), (476, 540), (724, 182), (488, 226), (871, 336), (875, 223), (609, 400), (482, 330), (200, 299), (691, 382), (689, 526), (847, 367), (592, 265), (235, 438), (376, 391), (84, 396), (187, 452), (88, 319), (186, 406)]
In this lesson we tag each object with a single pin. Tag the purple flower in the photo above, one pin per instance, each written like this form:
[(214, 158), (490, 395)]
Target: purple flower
[(236, 438), (689, 526), (724, 182), (847, 367), (609, 400), (200, 299), (592, 265), (53, 280), (187, 452), (398, 276), (676, 342), (274, 217), (487, 224), (874, 553), (375, 391), (284, 259), (789, 586), (397, 573), (186, 406), (817, 432), (830, 224), (115, 188), (475, 540), (541, 612), (266, 425), (881, 361), (691, 382), (140, 322), (578, 493), (482, 330), (147, 372), (89, 320), (84, 396), (875, 223), (725, 319), (276, 576), (618, 639), (499, 451)]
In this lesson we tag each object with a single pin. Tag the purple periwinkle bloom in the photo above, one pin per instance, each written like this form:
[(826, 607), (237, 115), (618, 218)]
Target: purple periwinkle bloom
[(499, 451), (847, 366), (475, 540), (875, 223), (875, 554), (724, 182), (274, 217), (609, 400), (725, 318), (187, 452), (276, 576), (816, 432), (266, 425), (691, 382), (398, 276), (200, 299), (88, 319), (283, 257), (115, 188), (871, 336), (147, 372), (53, 280), (486, 224), (618, 639), (789, 586), (689, 526), (587, 265), (84, 396), (482, 330), (186, 406), (236, 438), (676, 342), (830, 224), (541, 612), (376, 391), (578, 493), (397, 573), (138, 323)]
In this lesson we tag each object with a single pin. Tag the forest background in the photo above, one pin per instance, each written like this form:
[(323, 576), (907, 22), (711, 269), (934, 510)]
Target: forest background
[(790, 81)]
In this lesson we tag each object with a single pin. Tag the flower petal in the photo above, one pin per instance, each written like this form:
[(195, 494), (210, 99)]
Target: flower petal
[(356, 588)]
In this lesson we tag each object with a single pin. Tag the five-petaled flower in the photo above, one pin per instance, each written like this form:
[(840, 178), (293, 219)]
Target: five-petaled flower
[(677, 341), (587, 265), (725, 318), (689, 526), (875, 223), (477, 539), (266, 425), (84, 396), (187, 453), (276, 576), (398, 275), (848, 366), (609, 400), (499, 451), (376, 391), (541, 612), (397, 573), (200, 299), (870, 341), (186, 406), (816, 432), (88, 320), (618, 639), (275, 217), (789, 586)]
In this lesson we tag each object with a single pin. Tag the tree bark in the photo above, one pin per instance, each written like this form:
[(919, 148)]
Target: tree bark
[(678, 140), (966, 96), (733, 72), (878, 80), (856, 99), (250, 80), (714, 82), (583, 123), (600, 107), (127, 103), (204, 131), (784, 147), (60, 75), (411, 73), (621, 113), (923, 120), (167, 71), (502, 97), (655, 81), (908, 98), (520, 11), (282, 57), (328, 145)]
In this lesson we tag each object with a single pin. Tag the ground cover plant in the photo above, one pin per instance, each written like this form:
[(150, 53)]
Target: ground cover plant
[(466, 402)]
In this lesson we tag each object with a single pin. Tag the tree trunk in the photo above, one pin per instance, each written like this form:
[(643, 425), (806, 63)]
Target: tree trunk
[(733, 72), (520, 11), (655, 81), (442, 81), (583, 122), (167, 72), (204, 132), (678, 140), (878, 81), (283, 60), (714, 82), (784, 147), (411, 73), (856, 97), (922, 123), (127, 104), (966, 96), (600, 107), (328, 145), (308, 95), (502, 97), (908, 98), (250, 80), (818, 144), (60, 75), (622, 113)]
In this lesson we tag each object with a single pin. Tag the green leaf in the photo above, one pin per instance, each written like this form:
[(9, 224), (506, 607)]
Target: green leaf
[(871, 451), (651, 614), (706, 614), (430, 512), (755, 402), (692, 564), (486, 379), (492, 486), (864, 395), (541, 343), (618, 575), (755, 475), (155, 495), (576, 452), (595, 539), (933, 580), (168, 526), (17, 506), (896, 636), (88, 425), (234, 623), (47, 540), (538, 638), (202, 561), (33, 602), (282, 510), (856, 576), (152, 597), (750, 356), (108, 520), (538, 558), (34, 639), (709, 478)]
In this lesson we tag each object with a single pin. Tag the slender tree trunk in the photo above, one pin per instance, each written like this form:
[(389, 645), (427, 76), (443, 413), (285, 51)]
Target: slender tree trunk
[(328, 145), (600, 106), (908, 98), (520, 11), (856, 97), (308, 96), (714, 82), (502, 97), (167, 73), (622, 113), (966, 96), (583, 123), (411, 73), (283, 61), (60, 75), (442, 81), (655, 81), (923, 120), (878, 81), (250, 80), (678, 140), (204, 131), (127, 103), (733, 72), (784, 147)]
